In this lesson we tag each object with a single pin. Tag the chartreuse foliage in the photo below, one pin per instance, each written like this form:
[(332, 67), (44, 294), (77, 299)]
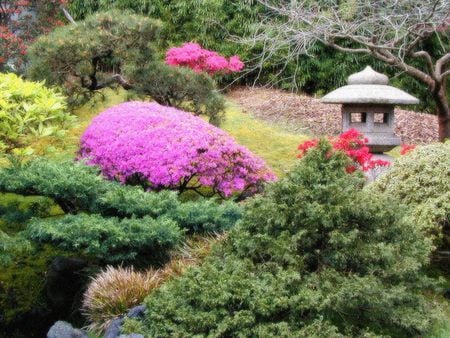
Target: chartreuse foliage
[(316, 256), (29, 109), (421, 180)]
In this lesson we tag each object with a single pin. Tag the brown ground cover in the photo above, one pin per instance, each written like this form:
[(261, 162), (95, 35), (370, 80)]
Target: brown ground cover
[(305, 114)]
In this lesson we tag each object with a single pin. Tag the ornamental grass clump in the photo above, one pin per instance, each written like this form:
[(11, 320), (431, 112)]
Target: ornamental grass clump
[(114, 291), (315, 256), (160, 147)]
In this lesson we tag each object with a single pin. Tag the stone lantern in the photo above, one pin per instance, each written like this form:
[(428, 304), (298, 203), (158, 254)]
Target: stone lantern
[(368, 106)]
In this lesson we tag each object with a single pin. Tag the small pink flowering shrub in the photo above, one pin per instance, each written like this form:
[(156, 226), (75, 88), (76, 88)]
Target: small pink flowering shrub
[(193, 56), (162, 147)]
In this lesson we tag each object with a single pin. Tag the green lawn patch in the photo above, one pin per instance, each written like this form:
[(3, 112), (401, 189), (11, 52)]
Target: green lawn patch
[(275, 145)]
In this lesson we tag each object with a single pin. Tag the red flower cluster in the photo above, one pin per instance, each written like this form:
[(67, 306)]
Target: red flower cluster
[(406, 148), (21, 21), (354, 145)]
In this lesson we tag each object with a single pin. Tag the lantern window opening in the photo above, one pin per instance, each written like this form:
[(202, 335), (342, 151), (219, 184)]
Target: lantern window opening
[(381, 118), (358, 117)]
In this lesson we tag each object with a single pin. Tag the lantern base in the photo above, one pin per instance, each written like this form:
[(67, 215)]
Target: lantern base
[(381, 143)]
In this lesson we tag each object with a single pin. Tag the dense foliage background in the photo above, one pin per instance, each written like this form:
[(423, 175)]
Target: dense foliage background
[(215, 24)]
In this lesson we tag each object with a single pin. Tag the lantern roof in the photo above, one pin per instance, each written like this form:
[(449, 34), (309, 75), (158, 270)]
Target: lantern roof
[(369, 86)]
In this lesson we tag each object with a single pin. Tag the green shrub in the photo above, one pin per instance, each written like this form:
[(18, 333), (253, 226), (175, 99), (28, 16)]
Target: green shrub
[(77, 187), (73, 185), (87, 57), (194, 216), (179, 87), (421, 181), (118, 48), (107, 239), (29, 109), (316, 256), (10, 246)]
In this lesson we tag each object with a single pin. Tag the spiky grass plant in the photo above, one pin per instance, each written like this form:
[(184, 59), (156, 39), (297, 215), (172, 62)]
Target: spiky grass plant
[(115, 290)]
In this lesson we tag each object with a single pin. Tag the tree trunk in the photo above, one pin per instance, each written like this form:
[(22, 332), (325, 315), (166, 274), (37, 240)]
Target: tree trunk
[(443, 112)]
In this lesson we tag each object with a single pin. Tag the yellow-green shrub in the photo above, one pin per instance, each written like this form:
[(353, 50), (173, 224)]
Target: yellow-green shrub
[(29, 109), (421, 181)]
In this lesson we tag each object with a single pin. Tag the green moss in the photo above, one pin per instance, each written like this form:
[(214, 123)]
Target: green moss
[(22, 283)]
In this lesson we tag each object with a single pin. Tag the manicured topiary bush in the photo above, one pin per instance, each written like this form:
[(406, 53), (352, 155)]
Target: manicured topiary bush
[(316, 256), (29, 109), (420, 179), (107, 238), (164, 148), (76, 188)]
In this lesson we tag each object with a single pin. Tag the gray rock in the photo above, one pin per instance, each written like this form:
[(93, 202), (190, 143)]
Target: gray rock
[(132, 335), (63, 329), (113, 330), (137, 312)]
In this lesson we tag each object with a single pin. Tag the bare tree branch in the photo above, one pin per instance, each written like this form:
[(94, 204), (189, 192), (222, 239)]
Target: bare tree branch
[(391, 31), (68, 16)]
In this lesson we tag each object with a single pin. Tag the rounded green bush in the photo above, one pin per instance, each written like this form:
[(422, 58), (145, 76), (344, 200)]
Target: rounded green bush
[(316, 256), (29, 109), (421, 180)]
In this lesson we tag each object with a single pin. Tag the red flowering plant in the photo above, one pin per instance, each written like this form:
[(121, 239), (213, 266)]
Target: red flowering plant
[(192, 55), (354, 145), (21, 21), (406, 148)]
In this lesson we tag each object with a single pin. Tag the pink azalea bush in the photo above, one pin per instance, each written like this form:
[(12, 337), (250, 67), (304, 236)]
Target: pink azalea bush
[(193, 56), (169, 148)]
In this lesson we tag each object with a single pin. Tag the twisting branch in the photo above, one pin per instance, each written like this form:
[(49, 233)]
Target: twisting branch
[(68, 16), (391, 31)]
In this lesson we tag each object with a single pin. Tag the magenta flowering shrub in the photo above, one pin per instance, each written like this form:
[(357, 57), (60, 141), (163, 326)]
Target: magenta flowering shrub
[(163, 147), (193, 56)]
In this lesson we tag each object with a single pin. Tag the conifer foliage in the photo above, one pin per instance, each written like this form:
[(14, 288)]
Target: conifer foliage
[(315, 256)]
